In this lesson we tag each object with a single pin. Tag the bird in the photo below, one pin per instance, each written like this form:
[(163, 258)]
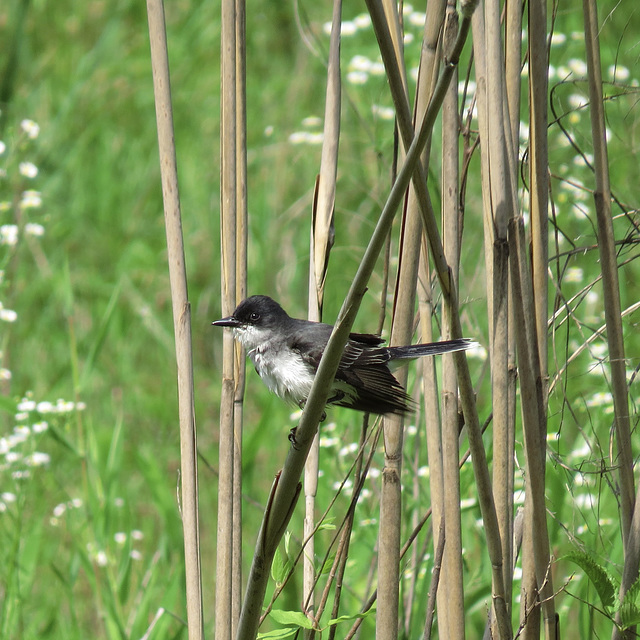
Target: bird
[(286, 352)]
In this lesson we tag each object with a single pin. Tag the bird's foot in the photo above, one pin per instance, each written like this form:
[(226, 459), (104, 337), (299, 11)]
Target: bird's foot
[(292, 438), (302, 404)]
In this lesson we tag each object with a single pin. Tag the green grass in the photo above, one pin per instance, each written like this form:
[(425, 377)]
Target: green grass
[(94, 314)]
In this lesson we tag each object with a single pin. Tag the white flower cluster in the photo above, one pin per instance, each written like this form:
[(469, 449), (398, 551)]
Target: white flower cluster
[(18, 452), (28, 198)]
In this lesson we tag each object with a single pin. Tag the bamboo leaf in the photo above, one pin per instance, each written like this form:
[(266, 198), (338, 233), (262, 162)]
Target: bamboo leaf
[(277, 634), (280, 567), (357, 616), (296, 618)]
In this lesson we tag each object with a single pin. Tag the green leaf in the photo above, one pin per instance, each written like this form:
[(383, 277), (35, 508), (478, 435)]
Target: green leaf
[(277, 634), (629, 607), (601, 579), (327, 525), (296, 618), (357, 616), (328, 563), (279, 567)]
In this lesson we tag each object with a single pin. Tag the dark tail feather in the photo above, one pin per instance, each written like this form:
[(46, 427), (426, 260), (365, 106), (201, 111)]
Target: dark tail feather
[(430, 349)]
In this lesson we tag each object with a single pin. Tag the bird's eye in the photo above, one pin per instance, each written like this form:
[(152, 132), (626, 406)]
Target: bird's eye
[(254, 317)]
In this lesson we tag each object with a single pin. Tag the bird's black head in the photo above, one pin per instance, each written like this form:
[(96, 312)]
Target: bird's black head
[(256, 311)]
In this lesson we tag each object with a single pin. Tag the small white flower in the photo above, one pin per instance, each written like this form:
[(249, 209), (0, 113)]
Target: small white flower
[(9, 234), (298, 137), (3, 147), (31, 199), (40, 427), (306, 137), (8, 315), (350, 448), (362, 21), (357, 77), (136, 534), (28, 169), (64, 406), (31, 128), (579, 67), (599, 399), (59, 509), (12, 456), (618, 73), (384, 113), (26, 404), (348, 28), (38, 459), (5, 374), (120, 537), (101, 559), (326, 442), (574, 274), (558, 38), (367, 522), (45, 407), (360, 63), (76, 503), (34, 229), (312, 121), (578, 101), (135, 555), (8, 497)]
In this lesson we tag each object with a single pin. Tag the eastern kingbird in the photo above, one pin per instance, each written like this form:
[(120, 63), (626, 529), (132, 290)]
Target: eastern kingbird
[(286, 353)]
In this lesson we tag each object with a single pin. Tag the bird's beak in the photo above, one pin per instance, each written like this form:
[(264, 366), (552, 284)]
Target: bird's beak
[(226, 322)]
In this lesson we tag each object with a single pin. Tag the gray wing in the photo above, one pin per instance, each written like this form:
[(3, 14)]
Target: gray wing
[(309, 339)]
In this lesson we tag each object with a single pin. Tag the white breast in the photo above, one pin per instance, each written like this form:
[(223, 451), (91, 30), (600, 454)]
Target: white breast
[(288, 377)]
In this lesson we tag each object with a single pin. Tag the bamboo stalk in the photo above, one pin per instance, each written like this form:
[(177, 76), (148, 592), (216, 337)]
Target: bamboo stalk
[(228, 238), (427, 76), (241, 294), (612, 310), (499, 176), (452, 559), (428, 72), (389, 530), (181, 317), (321, 243), (534, 421)]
